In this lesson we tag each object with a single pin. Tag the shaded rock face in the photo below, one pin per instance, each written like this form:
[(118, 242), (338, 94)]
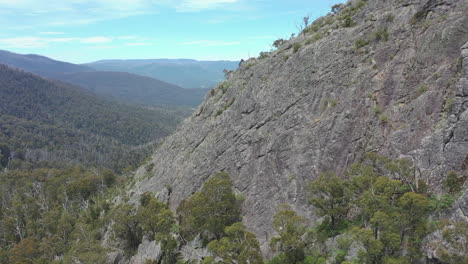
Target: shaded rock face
[(279, 121)]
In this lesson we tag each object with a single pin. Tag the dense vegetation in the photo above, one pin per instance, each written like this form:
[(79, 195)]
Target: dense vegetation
[(39, 64), (53, 122), (53, 212), (121, 86), (378, 213)]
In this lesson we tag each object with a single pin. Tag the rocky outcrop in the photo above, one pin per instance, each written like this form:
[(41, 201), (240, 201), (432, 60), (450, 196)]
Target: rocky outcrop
[(147, 250), (452, 239), (194, 250), (393, 81)]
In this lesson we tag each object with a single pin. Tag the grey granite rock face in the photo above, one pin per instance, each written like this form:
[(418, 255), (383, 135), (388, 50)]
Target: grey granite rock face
[(279, 121), (147, 250), (194, 250), (116, 258)]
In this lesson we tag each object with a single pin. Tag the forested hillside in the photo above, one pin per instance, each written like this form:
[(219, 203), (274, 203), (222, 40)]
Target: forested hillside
[(39, 64), (135, 89), (123, 86), (43, 120)]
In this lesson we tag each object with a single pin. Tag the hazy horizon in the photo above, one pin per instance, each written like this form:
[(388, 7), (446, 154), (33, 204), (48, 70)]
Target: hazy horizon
[(84, 31)]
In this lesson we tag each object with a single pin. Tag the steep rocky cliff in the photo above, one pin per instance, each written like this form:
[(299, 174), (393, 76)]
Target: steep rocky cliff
[(391, 78)]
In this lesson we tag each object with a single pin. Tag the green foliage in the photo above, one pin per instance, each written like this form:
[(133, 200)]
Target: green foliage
[(373, 247), (449, 103), (396, 260), (210, 210), (278, 43), (336, 8), (455, 237), (212, 92), (418, 17), (380, 34), (109, 177), (390, 211), (226, 106), (25, 251), (348, 21), (360, 4), (86, 253), (459, 64), (5, 155), (224, 86), (154, 216), (238, 246), (422, 89), (126, 227), (315, 260), (58, 125), (296, 46), (328, 102), (454, 182), (52, 212), (330, 196), (377, 109), (359, 43), (389, 18), (442, 203), (347, 13), (153, 219), (290, 228), (263, 55), (384, 119), (328, 20), (414, 208), (169, 248)]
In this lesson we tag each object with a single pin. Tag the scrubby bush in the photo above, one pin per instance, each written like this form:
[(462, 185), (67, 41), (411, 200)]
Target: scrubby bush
[(278, 43), (238, 246), (422, 89), (290, 228), (454, 182), (210, 210), (359, 43), (296, 46), (381, 34)]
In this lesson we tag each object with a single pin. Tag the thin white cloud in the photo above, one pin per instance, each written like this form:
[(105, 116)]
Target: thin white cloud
[(137, 44), (40, 42), (34, 7), (51, 33), (106, 47), (262, 37), (127, 37), (31, 14), (210, 43), (31, 42), (196, 5), (93, 40), (23, 42)]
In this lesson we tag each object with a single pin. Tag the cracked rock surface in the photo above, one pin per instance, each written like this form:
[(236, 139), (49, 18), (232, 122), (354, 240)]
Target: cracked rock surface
[(279, 121)]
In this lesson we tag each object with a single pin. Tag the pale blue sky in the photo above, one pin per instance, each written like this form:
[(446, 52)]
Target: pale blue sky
[(88, 30)]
